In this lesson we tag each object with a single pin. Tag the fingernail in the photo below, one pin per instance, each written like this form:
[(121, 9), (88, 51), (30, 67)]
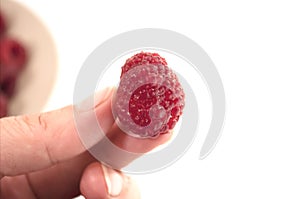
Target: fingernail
[(94, 100), (114, 181)]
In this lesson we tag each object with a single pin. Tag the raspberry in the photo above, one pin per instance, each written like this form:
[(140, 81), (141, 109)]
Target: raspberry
[(149, 99), (12, 61), (3, 105), (143, 58), (8, 86), (12, 57)]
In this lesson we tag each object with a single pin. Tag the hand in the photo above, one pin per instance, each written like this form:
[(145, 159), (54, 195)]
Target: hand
[(41, 156)]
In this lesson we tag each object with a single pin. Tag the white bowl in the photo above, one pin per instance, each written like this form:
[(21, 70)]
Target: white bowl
[(36, 82)]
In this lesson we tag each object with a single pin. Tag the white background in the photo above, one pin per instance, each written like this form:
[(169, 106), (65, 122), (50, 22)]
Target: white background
[(256, 48)]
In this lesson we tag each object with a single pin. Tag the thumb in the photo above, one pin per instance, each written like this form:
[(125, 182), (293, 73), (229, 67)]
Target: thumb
[(33, 142), (99, 181)]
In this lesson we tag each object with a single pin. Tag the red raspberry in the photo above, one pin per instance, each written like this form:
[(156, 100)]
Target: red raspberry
[(143, 58), (8, 86), (3, 105), (12, 58), (2, 24), (150, 99)]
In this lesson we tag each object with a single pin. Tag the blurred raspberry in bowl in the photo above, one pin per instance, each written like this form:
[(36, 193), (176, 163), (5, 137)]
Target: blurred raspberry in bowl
[(28, 60)]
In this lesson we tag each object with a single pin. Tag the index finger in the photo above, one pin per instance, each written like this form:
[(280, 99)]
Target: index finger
[(33, 142)]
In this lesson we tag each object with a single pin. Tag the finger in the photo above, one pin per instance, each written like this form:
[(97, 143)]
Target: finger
[(16, 187), (118, 149), (45, 139), (63, 179), (92, 184), (59, 181), (99, 182), (134, 144)]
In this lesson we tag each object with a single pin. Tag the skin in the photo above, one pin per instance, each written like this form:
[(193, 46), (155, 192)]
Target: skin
[(34, 162)]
